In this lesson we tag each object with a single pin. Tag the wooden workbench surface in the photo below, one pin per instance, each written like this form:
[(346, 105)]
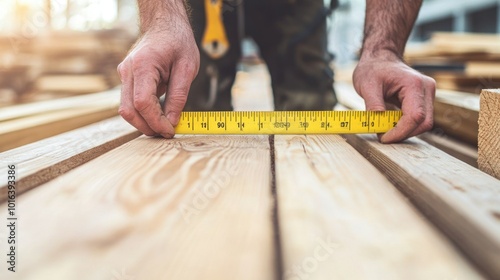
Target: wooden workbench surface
[(249, 207)]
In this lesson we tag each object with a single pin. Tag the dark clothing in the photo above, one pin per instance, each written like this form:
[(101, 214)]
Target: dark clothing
[(291, 41)]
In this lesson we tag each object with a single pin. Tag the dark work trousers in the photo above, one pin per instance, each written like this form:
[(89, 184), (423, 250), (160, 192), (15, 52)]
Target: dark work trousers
[(291, 43)]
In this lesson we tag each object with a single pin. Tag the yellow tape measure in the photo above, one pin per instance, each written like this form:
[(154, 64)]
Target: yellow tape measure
[(287, 122)]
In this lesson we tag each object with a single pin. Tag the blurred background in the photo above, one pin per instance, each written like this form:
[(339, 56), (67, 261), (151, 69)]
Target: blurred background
[(55, 48), (65, 51)]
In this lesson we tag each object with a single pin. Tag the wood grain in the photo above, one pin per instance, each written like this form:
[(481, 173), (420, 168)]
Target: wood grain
[(462, 151), (461, 200), (188, 208), (489, 132), (39, 162), (43, 107), (342, 219), (24, 131), (457, 114), (18, 132)]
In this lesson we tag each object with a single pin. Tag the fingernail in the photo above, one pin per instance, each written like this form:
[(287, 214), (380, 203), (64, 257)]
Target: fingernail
[(383, 139), (173, 118), (167, 136)]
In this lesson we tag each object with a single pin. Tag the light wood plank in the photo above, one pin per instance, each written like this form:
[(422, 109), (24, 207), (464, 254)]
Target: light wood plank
[(342, 219), (71, 83), (457, 114), (43, 107), (348, 97), (252, 89), (18, 132), (39, 162), (483, 69), (457, 149), (188, 208), (466, 42), (489, 132), (461, 200)]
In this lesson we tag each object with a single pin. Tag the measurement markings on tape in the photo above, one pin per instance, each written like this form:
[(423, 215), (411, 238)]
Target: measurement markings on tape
[(287, 122)]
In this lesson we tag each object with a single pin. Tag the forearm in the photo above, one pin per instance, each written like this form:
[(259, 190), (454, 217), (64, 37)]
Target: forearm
[(388, 24), (155, 14)]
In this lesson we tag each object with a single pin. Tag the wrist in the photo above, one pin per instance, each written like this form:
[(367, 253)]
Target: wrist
[(161, 15), (380, 53)]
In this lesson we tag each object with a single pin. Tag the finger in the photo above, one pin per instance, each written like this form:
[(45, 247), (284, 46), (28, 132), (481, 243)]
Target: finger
[(147, 103), (127, 110), (414, 114), (427, 124), (177, 92), (162, 89), (374, 99)]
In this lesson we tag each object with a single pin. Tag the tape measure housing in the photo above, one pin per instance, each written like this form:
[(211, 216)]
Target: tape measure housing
[(287, 122)]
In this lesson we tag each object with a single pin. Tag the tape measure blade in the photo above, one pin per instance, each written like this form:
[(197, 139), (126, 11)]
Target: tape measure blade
[(287, 122)]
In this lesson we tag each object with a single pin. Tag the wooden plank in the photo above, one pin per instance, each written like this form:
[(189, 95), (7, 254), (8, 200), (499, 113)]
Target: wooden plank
[(466, 42), (342, 219), (461, 200), (42, 161), (187, 208), (18, 132), (71, 83), (252, 89), (457, 149), (43, 107), (457, 114), (348, 97), (489, 131), (483, 69)]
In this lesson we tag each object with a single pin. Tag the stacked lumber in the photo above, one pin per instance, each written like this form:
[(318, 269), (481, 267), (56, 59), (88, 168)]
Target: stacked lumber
[(16, 63), (90, 58), (248, 207), (23, 124), (459, 61), (61, 63)]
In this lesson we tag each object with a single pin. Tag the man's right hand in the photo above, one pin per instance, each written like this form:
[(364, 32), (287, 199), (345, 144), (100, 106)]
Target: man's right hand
[(164, 60)]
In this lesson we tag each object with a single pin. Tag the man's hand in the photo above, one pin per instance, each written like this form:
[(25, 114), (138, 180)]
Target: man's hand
[(388, 79), (164, 60), (381, 76)]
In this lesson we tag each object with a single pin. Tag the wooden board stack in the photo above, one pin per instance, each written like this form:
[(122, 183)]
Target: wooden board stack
[(61, 63), (247, 207), (459, 61), (24, 124)]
